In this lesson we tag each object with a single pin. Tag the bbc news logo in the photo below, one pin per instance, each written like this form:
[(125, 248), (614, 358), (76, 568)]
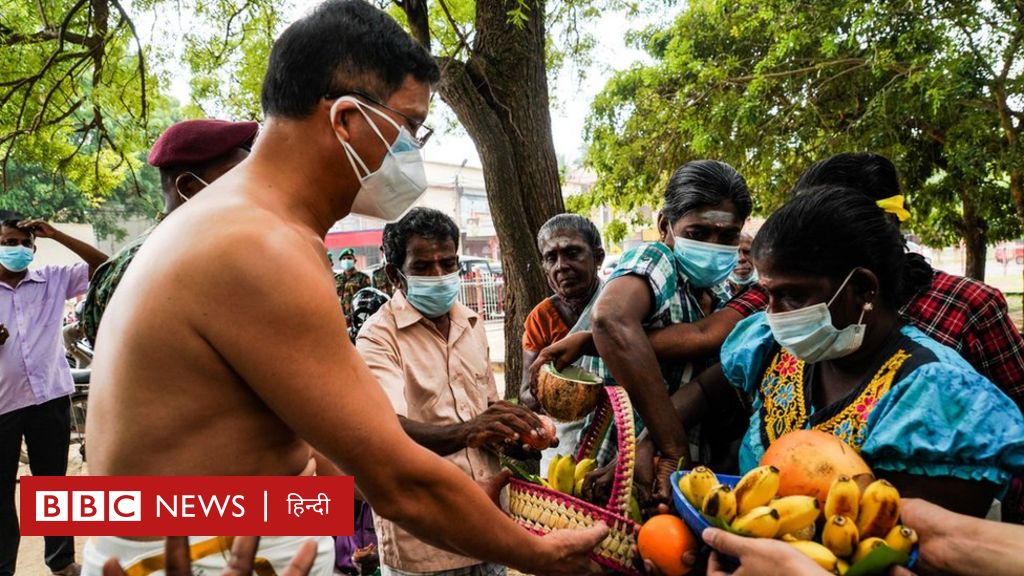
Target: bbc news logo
[(88, 506), (162, 505)]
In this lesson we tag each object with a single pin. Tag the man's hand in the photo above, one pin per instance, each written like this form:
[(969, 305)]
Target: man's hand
[(503, 422), (758, 556), (40, 228), (366, 559), (243, 555), (566, 552), (561, 354)]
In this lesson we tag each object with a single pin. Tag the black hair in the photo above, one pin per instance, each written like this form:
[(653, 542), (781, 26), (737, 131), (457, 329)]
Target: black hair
[(829, 231), (10, 219), (423, 222), (871, 174), (342, 45), (704, 183), (874, 176), (574, 222)]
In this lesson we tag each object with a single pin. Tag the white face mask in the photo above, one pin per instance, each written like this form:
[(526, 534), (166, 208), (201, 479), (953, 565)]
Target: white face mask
[(809, 335), (390, 191)]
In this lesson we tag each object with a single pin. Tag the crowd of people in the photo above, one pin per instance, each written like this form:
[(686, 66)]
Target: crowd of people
[(221, 328)]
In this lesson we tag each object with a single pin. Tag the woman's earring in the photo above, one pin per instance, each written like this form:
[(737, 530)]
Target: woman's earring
[(868, 306)]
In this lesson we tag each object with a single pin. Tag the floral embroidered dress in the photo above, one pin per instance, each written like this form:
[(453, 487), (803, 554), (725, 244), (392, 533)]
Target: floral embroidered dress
[(924, 411)]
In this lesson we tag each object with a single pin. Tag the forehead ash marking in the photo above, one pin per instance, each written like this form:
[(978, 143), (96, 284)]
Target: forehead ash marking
[(718, 217)]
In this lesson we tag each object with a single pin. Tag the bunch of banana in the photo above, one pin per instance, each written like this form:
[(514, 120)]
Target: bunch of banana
[(566, 475), (854, 523)]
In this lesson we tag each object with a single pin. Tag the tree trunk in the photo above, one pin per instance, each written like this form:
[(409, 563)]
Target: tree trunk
[(500, 95), (975, 233)]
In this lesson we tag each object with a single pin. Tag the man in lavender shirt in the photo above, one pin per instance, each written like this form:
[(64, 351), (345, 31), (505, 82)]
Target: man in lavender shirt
[(35, 381)]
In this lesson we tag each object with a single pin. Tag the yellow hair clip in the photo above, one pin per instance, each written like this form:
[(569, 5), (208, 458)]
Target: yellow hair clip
[(894, 205)]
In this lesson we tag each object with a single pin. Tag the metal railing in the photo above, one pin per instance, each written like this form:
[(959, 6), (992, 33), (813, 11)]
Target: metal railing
[(484, 294)]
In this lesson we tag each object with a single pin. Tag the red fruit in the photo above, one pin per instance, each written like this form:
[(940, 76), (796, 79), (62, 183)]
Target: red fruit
[(543, 441)]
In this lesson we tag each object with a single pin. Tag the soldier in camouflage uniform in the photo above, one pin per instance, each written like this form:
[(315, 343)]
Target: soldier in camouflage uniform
[(349, 280), (190, 155)]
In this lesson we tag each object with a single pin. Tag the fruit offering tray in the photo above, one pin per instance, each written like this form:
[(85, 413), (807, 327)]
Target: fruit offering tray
[(878, 561), (540, 508)]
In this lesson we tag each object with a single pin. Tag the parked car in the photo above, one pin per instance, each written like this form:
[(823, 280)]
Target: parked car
[(479, 266), (1010, 251)]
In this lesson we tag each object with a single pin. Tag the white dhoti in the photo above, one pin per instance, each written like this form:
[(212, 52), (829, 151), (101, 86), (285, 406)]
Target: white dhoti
[(210, 554)]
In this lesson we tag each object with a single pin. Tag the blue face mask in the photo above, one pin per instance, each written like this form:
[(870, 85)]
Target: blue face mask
[(808, 333), (347, 264), (705, 264), (16, 258), (433, 296)]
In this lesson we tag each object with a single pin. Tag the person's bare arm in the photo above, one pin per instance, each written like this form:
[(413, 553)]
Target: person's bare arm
[(689, 341), (622, 343), (952, 543), (92, 256), (310, 375), (501, 422)]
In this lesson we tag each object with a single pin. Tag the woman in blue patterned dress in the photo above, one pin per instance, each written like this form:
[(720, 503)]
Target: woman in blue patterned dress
[(831, 354)]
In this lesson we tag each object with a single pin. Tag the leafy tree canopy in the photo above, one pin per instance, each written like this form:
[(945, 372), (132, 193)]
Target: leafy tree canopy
[(774, 85)]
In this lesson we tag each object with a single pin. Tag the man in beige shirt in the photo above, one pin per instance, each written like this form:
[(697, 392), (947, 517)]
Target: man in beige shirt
[(430, 354)]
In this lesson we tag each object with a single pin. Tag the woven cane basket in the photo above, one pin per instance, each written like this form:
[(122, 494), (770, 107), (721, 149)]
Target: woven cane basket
[(540, 509)]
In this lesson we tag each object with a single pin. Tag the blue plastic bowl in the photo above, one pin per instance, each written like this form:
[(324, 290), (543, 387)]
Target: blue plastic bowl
[(697, 524)]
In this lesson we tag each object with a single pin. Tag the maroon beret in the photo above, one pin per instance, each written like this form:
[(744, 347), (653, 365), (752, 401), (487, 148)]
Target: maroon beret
[(191, 142)]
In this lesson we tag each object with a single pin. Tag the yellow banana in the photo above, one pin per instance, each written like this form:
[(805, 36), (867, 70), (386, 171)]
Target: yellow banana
[(552, 466), (564, 480), (879, 509), (584, 467), (840, 535), (687, 489), (901, 538), (756, 488), (842, 566), (806, 533), (702, 480), (865, 547), (843, 498), (821, 555), (720, 503), (761, 522), (795, 512)]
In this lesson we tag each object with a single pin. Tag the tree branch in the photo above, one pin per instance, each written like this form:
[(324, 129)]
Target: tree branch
[(419, 21)]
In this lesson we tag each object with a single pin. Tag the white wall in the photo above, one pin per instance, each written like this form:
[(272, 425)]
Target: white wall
[(52, 252)]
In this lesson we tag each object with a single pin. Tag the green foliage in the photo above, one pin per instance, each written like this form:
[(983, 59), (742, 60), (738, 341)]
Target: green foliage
[(82, 98), (774, 85)]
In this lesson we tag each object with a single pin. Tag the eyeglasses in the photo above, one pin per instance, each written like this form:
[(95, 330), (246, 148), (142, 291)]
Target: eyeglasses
[(420, 131)]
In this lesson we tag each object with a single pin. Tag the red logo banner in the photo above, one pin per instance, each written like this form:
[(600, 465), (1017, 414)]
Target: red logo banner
[(172, 505)]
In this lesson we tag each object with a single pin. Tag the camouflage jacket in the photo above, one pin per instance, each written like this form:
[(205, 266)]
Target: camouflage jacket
[(103, 283), (347, 285), (382, 282)]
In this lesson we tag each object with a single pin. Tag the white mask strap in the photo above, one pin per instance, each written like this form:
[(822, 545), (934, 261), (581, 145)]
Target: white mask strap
[(841, 286), (194, 175)]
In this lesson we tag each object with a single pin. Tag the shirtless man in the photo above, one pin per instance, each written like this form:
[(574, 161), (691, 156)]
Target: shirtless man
[(224, 350)]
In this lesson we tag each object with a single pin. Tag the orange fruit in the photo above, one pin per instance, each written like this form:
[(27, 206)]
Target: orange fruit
[(663, 540), (809, 460)]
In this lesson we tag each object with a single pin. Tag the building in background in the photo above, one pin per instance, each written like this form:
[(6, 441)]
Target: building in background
[(456, 189)]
